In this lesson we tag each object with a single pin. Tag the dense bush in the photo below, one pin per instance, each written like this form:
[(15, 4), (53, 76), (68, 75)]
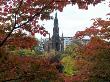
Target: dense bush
[(25, 52), (101, 66), (68, 63), (16, 68)]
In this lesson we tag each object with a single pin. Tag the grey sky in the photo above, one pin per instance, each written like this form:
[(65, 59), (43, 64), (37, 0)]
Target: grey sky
[(73, 19)]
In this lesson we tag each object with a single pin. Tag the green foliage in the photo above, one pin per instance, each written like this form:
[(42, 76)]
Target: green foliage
[(12, 48), (38, 51), (21, 52), (49, 54), (71, 50), (25, 52), (68, 63), (68, 59)]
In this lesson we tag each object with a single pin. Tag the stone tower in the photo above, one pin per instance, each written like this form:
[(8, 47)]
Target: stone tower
[(55, 38), (62, 43)]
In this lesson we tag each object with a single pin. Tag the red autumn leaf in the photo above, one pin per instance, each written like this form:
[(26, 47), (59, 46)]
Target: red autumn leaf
[(31, 11), (32, 33), (41, 32), (5, 10), (44, 34)]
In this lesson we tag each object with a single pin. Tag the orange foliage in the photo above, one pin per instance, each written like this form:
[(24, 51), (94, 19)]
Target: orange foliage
[(26, 69), (98, 33), (20, 14), (100, 28), (22, 42), (96, 52)]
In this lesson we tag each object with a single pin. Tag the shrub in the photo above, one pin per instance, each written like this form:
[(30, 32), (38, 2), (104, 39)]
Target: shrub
[(68, 63), (16, 68)]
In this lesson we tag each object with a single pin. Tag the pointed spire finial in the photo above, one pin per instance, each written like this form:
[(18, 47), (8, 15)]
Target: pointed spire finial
[(56, 20), (62, 34), (56, 15)]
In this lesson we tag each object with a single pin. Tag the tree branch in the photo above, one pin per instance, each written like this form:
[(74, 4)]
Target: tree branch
[(1, 44), (38, 13), (30, 19)]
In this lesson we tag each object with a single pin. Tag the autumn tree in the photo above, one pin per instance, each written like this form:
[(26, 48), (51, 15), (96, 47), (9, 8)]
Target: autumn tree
[(96, 52), (26, 69), (24, 15), (20, 14)]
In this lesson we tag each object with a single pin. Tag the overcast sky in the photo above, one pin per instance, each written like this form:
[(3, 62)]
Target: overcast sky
[(73, 19)]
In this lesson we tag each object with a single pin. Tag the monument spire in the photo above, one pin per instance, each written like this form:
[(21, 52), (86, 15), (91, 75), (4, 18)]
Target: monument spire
[(56, 15), (55, 37), (56, 20)]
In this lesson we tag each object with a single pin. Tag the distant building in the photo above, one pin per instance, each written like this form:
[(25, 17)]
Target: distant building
[(67, 41), (41, 45), (58, 43), (55, 42)]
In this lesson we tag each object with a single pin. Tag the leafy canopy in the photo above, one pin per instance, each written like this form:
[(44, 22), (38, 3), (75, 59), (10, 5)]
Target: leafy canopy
[(24, 14)]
